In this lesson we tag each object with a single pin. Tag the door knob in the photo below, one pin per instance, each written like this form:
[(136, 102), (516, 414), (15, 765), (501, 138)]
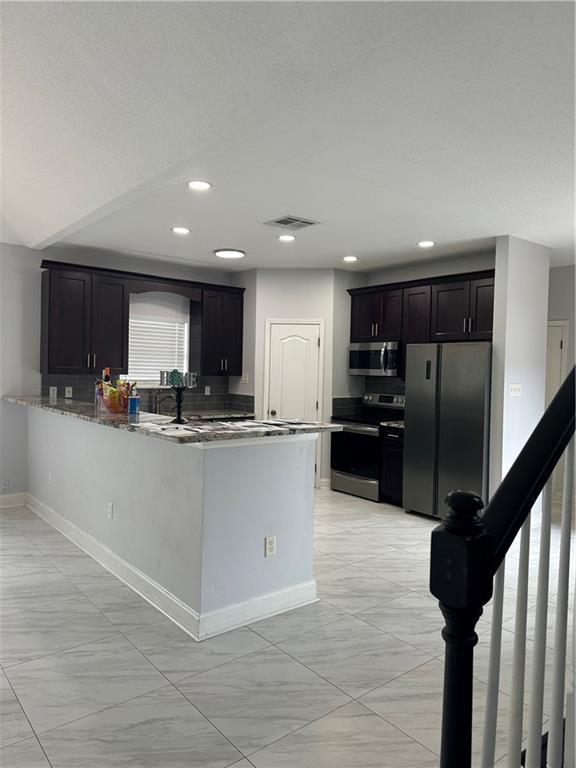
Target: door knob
[(272, 412)]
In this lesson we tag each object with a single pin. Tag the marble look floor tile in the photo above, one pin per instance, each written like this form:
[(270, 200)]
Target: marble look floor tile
[(353, 655), (323, 562), (350, 737), (125, 609), (414, 618), (352, 548), (260, 698), (413, 703), (285, 625), (14, 725), (24, 754), (177, 655), (56, 689), (44, 626), (158, 730), (352, 589), (408, 570), (50, 586)]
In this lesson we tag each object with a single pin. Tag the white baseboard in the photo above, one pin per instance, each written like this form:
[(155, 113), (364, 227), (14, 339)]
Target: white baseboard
[(200, 626), (261, 607), (8, 500), (325, 482)]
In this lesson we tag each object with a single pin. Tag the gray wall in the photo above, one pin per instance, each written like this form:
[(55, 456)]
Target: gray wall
[(475, 262)]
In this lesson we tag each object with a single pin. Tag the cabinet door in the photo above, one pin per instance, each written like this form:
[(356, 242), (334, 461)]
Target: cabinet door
[(222, 333), (389, 323), (450, 311), (110, 318), (68, 318), (365, 313), (416, 315), (231, 329), (212, 358), (481, 309), (391, 470)]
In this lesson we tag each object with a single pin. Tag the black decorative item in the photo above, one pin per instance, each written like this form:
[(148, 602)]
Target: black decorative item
[(179, 382)]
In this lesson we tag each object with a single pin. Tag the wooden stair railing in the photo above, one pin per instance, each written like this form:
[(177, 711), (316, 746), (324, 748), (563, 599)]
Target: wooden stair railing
[(467, 549)]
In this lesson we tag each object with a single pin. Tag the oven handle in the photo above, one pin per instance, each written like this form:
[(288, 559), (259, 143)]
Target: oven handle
[(370, 431)]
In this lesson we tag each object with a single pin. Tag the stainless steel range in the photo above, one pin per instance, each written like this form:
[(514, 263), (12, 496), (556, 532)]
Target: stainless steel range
[(366, 458)]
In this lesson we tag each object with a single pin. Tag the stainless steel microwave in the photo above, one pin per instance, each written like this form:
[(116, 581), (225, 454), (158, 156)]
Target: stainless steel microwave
[(373, 358)]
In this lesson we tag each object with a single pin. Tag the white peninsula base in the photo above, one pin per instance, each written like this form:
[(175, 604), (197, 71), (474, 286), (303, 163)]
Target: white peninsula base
[(188, 521)]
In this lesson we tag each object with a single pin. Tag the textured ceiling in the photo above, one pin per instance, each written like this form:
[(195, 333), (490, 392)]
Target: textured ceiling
[(387, 122)]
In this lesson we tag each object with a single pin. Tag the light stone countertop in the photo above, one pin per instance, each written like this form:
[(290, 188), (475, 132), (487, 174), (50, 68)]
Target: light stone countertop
[(154, 425)]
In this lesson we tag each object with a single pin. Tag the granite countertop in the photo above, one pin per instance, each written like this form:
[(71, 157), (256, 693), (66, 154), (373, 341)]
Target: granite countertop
[(194, 431)]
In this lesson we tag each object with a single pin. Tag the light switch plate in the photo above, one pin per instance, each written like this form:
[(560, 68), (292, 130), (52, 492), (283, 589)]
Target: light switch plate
[(244, 378), (68, 392), (207, 390), (514, 390), (270, 546), (53, 394)]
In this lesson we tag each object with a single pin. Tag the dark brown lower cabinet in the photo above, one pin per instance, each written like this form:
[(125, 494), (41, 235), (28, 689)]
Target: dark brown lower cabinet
[(391, 468)]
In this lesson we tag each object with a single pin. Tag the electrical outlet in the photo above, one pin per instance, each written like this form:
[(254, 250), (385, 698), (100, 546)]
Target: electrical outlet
[(244, 378), (207, 389), (514, 390), (68, 392), (270, 546), (3, 485), (50, 478), (110, 509), (53, 394)]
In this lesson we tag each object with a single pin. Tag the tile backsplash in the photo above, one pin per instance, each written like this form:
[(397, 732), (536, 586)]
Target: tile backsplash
[(194, 399)]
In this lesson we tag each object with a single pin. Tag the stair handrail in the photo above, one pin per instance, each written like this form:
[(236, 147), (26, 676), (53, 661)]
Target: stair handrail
[(468, 547)]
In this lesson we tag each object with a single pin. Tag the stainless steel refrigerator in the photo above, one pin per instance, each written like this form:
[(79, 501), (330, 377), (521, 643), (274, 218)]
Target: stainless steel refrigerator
[(447, 417)]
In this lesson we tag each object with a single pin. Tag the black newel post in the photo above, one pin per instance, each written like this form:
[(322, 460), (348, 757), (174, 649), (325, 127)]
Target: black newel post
[(461, 578)]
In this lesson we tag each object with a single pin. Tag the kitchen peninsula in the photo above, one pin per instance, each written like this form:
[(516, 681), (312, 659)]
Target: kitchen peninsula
[(203, 499)]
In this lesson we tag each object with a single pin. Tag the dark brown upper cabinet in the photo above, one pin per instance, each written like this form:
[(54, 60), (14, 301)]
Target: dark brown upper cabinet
[(222, 314), (450, 311), (481, 309), (365, 317), (84, 323), (416, 314), (110, 317), (376, 316), (463, 311)]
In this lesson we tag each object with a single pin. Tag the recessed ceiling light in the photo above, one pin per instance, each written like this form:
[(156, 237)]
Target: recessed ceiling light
[(229, 253), (199, 186), (181, 230), (350, 258), (426, 243), (286, 238)]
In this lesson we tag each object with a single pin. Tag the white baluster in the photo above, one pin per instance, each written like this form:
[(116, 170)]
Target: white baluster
[(519, 652), (534, 743), (555, 734), (492, 689)]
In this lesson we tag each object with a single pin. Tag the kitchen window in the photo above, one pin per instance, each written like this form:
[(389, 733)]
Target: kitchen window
[(158, 336)]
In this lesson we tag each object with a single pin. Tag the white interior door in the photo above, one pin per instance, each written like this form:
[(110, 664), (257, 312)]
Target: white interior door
[(555, 374), (294, 374)]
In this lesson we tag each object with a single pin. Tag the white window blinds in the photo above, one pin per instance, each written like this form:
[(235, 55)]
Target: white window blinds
[(154, 346)]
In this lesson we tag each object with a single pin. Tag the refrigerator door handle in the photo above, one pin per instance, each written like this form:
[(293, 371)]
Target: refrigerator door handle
[(428, 369)]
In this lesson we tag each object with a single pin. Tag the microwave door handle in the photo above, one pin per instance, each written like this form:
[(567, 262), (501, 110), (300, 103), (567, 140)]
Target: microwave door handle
[(382, 357)]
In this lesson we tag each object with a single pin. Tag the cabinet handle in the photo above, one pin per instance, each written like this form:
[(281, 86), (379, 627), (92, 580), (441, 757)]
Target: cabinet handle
[(221, 363), (464, 322), (371, 329), (94, 360), (88, 360), (469, 325), (376, 326), (225, 363)]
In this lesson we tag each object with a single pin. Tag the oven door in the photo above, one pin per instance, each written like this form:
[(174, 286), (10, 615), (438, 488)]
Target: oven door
[(355, 461), (373, 359)]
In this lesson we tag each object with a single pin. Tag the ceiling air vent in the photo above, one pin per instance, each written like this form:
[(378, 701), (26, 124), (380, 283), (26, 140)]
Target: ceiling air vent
[(292, 223)]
